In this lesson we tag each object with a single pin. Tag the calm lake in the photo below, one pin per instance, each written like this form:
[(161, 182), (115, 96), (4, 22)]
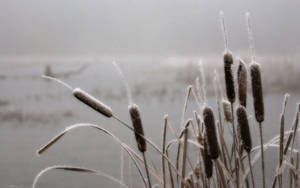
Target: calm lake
[(34, 110)]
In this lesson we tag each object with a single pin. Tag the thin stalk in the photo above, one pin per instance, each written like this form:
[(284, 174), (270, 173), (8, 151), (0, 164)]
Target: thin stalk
[(251, 171), (164, 150), (170, 171), (235, 148), (262, 155), (146, 168), (184, 156), (121, 166)]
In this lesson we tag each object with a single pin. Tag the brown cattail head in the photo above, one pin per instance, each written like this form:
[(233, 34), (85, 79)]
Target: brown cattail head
[(227, 110), (228, 59), (210, 128), (197, 170), (229, 81), (208, 165), (138, 127), (257, 92), (242, 83), (243, 128), (92, 102)]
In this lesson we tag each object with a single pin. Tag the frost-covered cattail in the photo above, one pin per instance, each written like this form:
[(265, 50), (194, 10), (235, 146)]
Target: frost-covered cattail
[(210, 128), (229, 81), (92, 102), (138, 127), (257, 92), (242, 83), (243, 128), (197, 170), (227, 110), (208, 165)]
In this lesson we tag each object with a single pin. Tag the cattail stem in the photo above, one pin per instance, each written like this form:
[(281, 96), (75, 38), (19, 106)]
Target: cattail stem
[(184, 157), (121, 166), (233, 131), (250, 36), (251, 171), (225, 37), (164, 135), (235, 147), (262, 155), (146, 168)]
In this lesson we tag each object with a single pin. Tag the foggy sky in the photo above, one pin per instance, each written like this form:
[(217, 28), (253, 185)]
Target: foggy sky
[(157, 27)]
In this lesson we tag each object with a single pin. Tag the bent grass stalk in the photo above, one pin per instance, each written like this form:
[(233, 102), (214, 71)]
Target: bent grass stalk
[(76, 169), (258, 108)]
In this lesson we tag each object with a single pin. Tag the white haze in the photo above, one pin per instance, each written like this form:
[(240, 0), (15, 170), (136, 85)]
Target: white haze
[(143, 27)]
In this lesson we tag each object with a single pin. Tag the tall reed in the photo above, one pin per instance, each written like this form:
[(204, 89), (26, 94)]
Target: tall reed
[(242, 82), (210, 128), (245, 135), (139, 135)]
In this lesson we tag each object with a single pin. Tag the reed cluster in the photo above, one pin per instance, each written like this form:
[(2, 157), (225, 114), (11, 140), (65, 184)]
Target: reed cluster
[(199, 154)]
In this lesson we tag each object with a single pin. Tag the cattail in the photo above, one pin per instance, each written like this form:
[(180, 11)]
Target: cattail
[(229, 81), (92, 102), (208, 165), (227, 110), (197, 170), (243, 128), (257, 92), (139, 135), (212, 141), (138, 127), (242, 83)]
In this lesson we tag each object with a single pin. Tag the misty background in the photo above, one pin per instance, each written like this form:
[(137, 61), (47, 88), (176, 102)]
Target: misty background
[(158, 45), (142, 27)]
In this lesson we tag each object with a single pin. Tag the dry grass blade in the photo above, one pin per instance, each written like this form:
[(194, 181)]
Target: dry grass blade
[(164, 149), (184, 156), (282, 118), (75, 169), (170, 171), (58, 81), (49, 144), (121, 165), (127, 148)]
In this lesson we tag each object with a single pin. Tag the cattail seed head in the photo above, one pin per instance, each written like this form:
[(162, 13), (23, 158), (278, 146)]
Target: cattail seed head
[(197, 170), (243, 128), (188, 182), (227, 110), (229, 81), (208, 165), (228, 59), (257, 92), (92, 102), (138, 127), (210, 128), (242, 83)]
